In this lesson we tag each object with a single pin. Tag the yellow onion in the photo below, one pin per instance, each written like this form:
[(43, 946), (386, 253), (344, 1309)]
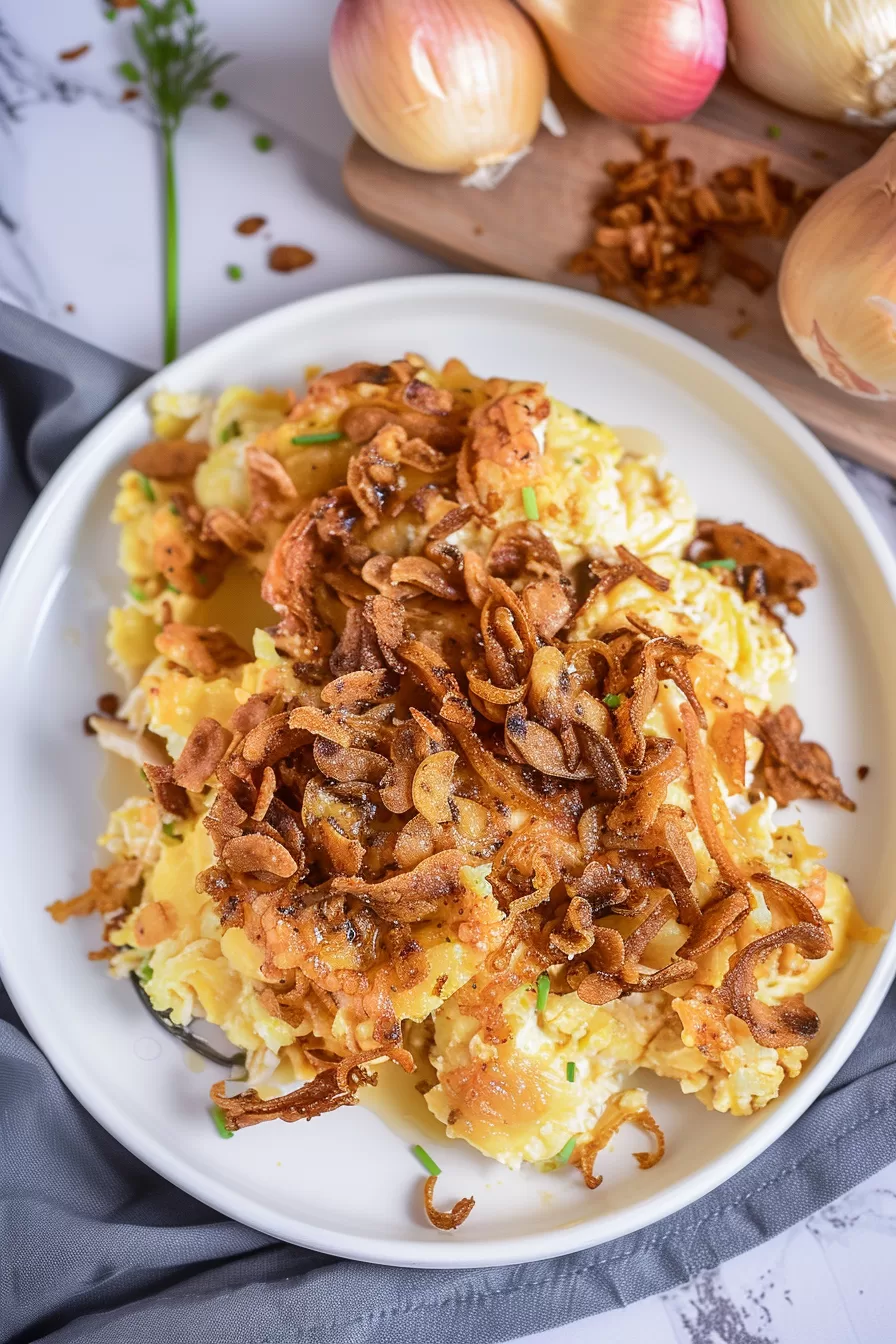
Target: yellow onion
[(837, 285), (636, 60), (834, 59), (445, 86)]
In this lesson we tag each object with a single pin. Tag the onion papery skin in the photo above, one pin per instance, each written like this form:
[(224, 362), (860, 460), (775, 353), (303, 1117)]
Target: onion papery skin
[(834, 59), (443, 86), (636, 60), (837, 283)]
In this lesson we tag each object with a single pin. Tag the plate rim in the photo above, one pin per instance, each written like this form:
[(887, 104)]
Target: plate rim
[(590, 1232)]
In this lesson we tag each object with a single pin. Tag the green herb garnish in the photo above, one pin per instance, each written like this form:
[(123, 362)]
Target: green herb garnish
[(168, 828), (543, 989), (172, 508), (329, 437), (145, 776), (129, 71), (570, 1070), (530, 504), (220, 100), (146, 487), (220, 1123), (136, 593), (110, 15), (234, 272), (612, 701), (179, 65), (565, 1152), (773, 132), (171, 588), (263, 143), (426, 1161), (145, 973), (717, 564), (230, 431)]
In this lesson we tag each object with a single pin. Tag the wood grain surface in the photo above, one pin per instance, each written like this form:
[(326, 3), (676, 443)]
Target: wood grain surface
[(540, 215)]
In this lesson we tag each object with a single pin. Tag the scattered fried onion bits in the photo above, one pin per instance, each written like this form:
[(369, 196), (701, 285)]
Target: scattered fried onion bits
[(664, 238), (629, 1107), (445, 1222), (330, 1090), (791, 1022)]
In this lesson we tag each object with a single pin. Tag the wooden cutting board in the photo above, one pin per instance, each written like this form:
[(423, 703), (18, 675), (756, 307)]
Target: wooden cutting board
[(540, 216)]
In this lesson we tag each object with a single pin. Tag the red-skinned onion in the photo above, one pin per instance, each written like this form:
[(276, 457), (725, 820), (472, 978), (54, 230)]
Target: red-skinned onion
[(636, 60)]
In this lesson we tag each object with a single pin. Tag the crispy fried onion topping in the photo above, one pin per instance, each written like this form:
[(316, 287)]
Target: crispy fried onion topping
[(770, 574), (434, 753), (790, 768), (330, 1090), (791, 1022), (624, 1108), (445, 1222)]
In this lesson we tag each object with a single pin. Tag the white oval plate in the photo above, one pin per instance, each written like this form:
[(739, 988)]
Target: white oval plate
[(347, 1183)]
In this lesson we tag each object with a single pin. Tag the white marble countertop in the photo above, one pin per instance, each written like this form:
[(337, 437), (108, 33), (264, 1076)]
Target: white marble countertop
[(80, 228)]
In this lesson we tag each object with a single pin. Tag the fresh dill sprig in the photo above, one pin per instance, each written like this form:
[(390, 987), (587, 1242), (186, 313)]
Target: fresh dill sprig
[(179, 67)]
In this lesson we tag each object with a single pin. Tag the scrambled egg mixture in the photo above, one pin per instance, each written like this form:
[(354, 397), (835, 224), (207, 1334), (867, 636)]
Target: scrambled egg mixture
[(523, 1097)]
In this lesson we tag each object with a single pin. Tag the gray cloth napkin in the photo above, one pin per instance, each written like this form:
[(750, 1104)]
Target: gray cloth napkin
[(97, 1247)]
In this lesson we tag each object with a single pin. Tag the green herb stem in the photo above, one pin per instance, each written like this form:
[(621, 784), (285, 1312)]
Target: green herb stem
[(530, 503), (330, 437), (171, 256), (543, 989), (179, 66), (612, 701), (565, 1152), (147, 487), (570, 1070), (717, 564), (426, 1161), (220, 1123)]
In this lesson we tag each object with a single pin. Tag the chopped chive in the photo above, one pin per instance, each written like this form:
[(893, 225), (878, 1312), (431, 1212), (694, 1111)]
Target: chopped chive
[(172, 508), (329, 437), (773, 132), (565, 1152), (612, 701), (136, 593), (220, 1123), (145, 973), (263, 143), (234, 272), (110, 15), (530, 504), (570, 1070), (171, 588), (145, 776), (168, 828), (220, 100), (231, 431), (717, 564), (426, 1161), (543, 987), (129, 71), (146, 487)]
